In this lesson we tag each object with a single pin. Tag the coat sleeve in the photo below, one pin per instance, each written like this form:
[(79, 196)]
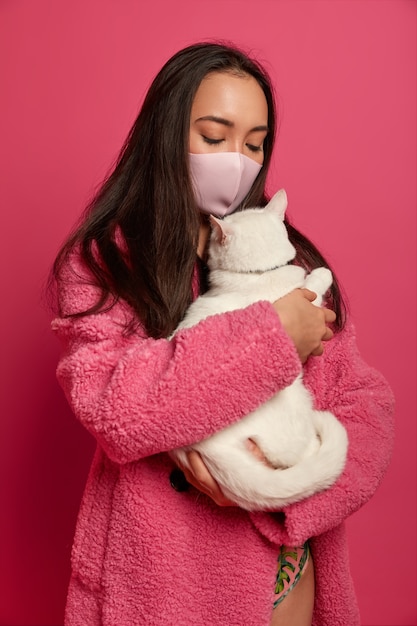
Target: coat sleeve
[(361, 399), (139, 396)]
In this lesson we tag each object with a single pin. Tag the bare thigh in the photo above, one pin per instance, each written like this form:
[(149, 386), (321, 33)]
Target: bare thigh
[(297, 607)]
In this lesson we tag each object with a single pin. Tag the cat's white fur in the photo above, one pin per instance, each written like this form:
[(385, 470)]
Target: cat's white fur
[(249, 252)]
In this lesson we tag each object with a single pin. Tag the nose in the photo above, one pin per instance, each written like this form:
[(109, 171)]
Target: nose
[(237, 146)]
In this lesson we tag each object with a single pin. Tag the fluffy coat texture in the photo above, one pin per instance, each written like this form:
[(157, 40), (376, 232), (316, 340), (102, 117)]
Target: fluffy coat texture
[(145, 554), (248, 257)]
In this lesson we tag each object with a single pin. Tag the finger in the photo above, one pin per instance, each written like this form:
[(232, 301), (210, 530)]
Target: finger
[(329, 316), (308, 294), (191, 479), (328, 334), (200, 477), (200, 472), (213, 490), (318, 351)]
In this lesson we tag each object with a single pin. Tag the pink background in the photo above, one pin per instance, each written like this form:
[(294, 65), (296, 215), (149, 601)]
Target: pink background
[(73, 75)]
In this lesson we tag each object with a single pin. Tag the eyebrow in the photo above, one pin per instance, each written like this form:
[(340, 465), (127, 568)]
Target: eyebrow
[(222, 120)]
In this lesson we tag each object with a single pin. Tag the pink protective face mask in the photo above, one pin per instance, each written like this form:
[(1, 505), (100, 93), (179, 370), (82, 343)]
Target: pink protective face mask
[(222, 180)]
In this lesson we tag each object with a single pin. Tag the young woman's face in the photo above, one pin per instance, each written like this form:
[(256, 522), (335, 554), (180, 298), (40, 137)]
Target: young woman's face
[(229, 114)]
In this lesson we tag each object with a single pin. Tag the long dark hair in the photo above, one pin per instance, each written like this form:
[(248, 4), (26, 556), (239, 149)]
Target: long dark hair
[(147, 202)]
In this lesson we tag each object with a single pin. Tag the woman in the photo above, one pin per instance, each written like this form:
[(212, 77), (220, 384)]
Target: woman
[(149, 547)]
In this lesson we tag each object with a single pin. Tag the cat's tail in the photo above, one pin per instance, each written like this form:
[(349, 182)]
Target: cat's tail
[(255, 486)]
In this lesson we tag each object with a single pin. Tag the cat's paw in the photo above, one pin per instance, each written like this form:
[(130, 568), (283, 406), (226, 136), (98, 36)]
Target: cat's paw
[(319, 281)]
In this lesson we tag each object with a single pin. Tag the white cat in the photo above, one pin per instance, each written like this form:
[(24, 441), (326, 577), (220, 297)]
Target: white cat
[(249, 252)]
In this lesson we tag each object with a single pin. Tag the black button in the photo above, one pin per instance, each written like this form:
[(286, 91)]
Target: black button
[(178, 480)]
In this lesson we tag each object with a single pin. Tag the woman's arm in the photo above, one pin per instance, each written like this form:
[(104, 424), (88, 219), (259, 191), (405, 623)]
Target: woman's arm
[(139, 396)]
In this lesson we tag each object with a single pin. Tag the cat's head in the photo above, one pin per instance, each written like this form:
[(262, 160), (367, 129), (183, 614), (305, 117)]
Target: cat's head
[(253, 240)]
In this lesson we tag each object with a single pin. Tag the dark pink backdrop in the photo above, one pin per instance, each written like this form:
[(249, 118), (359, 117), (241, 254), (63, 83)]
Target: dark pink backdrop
[(72, 77)]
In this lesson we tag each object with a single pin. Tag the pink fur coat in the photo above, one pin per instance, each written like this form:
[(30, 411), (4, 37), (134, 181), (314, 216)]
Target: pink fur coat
[(145, 554)]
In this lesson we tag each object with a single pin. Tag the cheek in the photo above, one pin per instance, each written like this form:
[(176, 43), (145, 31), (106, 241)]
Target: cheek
[(258, 157)]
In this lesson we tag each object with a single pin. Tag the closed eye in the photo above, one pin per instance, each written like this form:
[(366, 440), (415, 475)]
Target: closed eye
[(210, 141), (253, 148)]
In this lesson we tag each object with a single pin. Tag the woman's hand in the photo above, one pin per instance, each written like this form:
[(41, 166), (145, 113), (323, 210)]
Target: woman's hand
[(201, 479), (305, 323)]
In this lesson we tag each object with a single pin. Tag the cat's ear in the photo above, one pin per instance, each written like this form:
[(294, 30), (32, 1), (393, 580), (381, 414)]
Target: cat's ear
[(221, 229), (278, 203)]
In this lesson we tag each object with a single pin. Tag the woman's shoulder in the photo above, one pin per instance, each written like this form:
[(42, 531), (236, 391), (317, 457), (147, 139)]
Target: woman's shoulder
[(78, 292)]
